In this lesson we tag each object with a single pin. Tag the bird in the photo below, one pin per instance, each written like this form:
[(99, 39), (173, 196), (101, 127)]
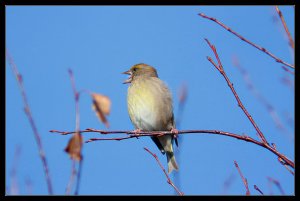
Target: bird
[(150, 108)]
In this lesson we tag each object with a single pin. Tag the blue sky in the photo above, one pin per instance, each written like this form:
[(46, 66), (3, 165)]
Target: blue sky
[(100, 42)]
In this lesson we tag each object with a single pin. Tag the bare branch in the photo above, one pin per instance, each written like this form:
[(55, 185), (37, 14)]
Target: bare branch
[(243, 178), (72, 177), (163, 169), (273, 113), (256, 188), (247, 41), (31, 121), (77, 140), (227, 183), (282, 161), (240, 104), (76, 97), (133, 134), (288, 70), (291, 41), (14, 189), (288, 82), (277, 184), (260, 134)]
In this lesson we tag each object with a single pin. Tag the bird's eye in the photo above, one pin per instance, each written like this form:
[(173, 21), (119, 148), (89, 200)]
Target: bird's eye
[(134, 69)]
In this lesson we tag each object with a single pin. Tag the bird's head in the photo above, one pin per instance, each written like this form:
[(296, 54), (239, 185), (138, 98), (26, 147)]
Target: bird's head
[(140, 70)]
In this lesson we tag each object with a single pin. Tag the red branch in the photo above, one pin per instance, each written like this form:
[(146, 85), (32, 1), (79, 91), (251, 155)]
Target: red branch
[(256, 188), (247, 41), (77, 128), (220, 68), (273, 113), (163, 169), (291, 41), (31, 121), (72, 177), (243, 178), (288, 70), (133, 134)]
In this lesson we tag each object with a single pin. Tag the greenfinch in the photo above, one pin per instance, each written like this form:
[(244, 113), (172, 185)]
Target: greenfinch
[(150, 108)]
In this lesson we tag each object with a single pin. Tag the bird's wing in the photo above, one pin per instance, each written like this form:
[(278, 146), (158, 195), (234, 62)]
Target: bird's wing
[(158, 144)]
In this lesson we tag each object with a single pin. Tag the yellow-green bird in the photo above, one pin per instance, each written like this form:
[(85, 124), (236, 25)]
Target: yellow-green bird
[(150, 107)]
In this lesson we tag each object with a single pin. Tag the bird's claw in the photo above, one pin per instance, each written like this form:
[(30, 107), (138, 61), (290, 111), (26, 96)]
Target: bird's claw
[(175, 132), (137, 132)]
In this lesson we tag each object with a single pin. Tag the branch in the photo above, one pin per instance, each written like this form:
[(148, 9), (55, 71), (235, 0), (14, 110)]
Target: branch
[(282, 161), (14, 189), (273, 113), (76, 97), (134, 134), (277, 184), (31, 121), (243, 178), (227, 183), (72, 177), (256, 188), (163, 169), (288, 70), (220, 68), (76, 145), (291, 41), (247, 41)]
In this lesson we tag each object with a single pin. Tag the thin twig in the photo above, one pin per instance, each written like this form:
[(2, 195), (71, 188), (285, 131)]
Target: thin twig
[(273, 113), (247, 41), (133, 134), (72, 177), (14, 189), (243, 178), (277, 184), (288, 70), (220, 68), (76, 97), (77, 126), (288, 82), (78, 177), (291, 41), (256, 188), (282, 161), (163, 169), (31, 121), (28, 185), (227, 183)]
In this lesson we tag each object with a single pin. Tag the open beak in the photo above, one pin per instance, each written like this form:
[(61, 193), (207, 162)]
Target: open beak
[(130, 77)]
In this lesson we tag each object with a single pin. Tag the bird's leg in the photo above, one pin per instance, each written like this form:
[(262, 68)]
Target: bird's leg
[(175, 132)]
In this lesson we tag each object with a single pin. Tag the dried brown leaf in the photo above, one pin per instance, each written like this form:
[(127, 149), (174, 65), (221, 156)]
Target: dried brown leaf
[(74, 147), (101, 105)]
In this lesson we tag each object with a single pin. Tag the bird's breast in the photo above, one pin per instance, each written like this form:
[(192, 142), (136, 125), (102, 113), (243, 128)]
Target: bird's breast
[(149, 105)]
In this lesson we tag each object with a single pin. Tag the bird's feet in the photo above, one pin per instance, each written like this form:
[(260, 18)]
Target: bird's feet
[(175, 132), (137, 132)]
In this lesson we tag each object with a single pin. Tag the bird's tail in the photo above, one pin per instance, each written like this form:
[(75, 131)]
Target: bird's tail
[(171, 161), (166, 142)]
